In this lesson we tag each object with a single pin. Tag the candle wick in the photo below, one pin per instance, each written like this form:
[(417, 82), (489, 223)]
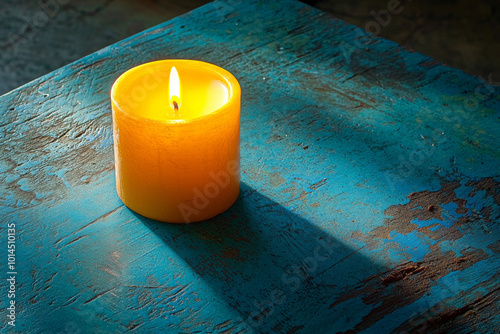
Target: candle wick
[(176, 106)]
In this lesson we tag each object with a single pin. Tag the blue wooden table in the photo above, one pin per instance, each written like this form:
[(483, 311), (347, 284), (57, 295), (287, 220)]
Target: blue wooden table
[(370, 196)]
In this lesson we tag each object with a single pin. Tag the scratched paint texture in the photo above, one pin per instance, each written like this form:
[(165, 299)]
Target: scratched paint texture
[(370, 198)]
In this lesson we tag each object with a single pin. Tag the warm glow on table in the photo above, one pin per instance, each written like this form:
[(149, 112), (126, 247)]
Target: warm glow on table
[(177, 164)]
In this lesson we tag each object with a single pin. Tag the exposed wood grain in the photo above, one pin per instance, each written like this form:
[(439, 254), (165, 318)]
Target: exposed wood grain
[(370, 197)]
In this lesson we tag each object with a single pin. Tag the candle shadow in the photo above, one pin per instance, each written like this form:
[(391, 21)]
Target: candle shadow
[(278, 270)]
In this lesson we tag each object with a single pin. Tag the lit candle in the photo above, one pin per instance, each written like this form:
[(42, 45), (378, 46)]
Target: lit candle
[(176, 129)]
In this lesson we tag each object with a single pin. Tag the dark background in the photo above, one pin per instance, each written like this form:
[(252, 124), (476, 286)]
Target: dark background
[(37, 37)]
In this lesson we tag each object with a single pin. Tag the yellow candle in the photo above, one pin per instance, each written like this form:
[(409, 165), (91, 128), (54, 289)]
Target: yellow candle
[(176, 129)]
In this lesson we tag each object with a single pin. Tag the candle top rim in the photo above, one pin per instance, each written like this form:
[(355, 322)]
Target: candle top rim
[(220, 73)]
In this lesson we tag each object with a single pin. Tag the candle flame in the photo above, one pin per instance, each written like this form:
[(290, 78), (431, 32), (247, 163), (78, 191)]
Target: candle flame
[(174, 89)]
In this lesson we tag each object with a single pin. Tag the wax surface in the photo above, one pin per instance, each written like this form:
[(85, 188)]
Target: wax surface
[(177, 167), (144, 92)]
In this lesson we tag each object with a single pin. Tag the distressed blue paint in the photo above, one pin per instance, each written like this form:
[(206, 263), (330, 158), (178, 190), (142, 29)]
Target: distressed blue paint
[(428, 222), (416, 245), (337, 131), (450, 214)]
